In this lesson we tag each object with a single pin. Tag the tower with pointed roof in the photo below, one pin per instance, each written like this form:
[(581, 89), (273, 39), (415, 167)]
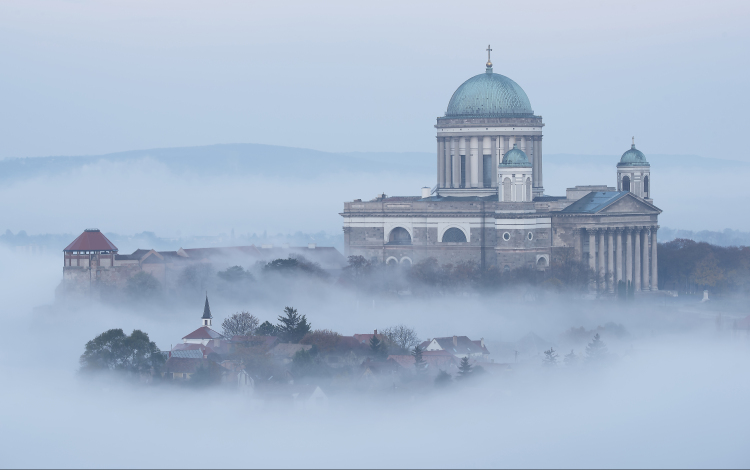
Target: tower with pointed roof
[(206, 318)]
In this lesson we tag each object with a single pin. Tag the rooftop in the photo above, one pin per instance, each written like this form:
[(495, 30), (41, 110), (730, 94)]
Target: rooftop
[(204, 332), (489, 95), (91, 240), (595, 201)]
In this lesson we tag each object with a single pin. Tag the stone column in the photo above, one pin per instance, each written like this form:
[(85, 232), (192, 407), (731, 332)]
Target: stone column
[(645, 265), (523, 144), (440, 162), (637, 260), (501, 148), (461, 151), (629, 255), (539, 164), (448, 163), (456, 162), (494, 161), (579, 244), (603, 285), (610, 260), (619, 254), (530, 154), (654, 267), (592, 256), (480, 161), (474, 166)]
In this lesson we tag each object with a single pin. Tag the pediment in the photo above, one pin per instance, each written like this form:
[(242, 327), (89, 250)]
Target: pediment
[(630, 204)]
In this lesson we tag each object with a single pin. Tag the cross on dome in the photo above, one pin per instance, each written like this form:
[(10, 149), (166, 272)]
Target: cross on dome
[(489, 62)]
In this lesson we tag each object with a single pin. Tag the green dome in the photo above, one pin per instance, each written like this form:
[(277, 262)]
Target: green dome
[(633, 157), (515, 157), (489, 95)]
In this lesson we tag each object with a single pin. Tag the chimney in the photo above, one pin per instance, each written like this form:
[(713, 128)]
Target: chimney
[(425, 192), (455, 340), (376, 332), (481, 341)]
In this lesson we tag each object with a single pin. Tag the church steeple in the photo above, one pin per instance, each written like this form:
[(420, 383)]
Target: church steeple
[(207, 314)]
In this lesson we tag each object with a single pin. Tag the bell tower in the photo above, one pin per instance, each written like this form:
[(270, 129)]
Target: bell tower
[(206, 318), (634, 173)]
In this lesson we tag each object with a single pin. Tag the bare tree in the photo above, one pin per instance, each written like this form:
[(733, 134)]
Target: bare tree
[(239, 324), (401, 336)]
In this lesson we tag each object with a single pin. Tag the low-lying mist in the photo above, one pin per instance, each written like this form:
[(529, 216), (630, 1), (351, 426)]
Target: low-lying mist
[(673, 393)]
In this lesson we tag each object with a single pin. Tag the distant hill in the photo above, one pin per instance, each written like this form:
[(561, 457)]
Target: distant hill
[(289, 161), (230, 158)]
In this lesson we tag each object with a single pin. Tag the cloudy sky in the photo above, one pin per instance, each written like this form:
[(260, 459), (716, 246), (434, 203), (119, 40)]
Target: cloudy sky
[(85, 77)]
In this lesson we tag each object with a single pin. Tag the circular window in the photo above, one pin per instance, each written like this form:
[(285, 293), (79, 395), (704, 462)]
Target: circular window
[(530, 236), (506, 236)]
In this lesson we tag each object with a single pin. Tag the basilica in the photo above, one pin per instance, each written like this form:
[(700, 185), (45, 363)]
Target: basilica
[(489, 206)]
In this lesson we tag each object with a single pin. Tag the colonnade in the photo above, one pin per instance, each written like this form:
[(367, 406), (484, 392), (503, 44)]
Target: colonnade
[(640, 263), (462, 160)]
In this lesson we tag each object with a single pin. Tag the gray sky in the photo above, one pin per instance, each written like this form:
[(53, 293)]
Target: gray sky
[(84, 77)]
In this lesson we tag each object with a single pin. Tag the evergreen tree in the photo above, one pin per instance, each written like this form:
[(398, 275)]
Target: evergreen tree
[(292, 327), (464, 369), (419, 363), (378, 348), (550, 358), (596, 350)]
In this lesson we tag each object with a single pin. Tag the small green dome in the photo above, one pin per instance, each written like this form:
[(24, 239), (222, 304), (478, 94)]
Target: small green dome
[(633, 157), (515, 157), (489, 95)]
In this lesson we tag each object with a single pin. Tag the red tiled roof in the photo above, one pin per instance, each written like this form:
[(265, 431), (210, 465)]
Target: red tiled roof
[(203, 332), (91, 240)]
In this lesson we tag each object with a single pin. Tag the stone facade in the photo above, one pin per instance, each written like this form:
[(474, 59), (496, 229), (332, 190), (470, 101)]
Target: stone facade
[(506, 219)]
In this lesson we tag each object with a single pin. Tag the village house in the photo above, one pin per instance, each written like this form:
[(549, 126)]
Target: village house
[(459, 347)]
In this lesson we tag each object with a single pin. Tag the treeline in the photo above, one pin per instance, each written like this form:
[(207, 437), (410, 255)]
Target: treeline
[(430, 277), (687, 266)]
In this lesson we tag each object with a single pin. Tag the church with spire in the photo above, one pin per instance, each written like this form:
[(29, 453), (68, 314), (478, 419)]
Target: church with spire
[(489, 206)]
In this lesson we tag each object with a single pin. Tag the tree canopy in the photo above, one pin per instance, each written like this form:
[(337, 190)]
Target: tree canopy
[(239, 324), (114, 350)]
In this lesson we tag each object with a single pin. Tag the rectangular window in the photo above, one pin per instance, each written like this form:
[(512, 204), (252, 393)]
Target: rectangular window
[(487, 171), (463, 171)]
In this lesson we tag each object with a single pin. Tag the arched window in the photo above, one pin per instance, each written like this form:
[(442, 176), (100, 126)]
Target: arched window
[(391, 261), (506, 190), (626, 183), (645, 185), (528, 189), (541, 262), (405, 261), (399, 236), (454, 235)]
